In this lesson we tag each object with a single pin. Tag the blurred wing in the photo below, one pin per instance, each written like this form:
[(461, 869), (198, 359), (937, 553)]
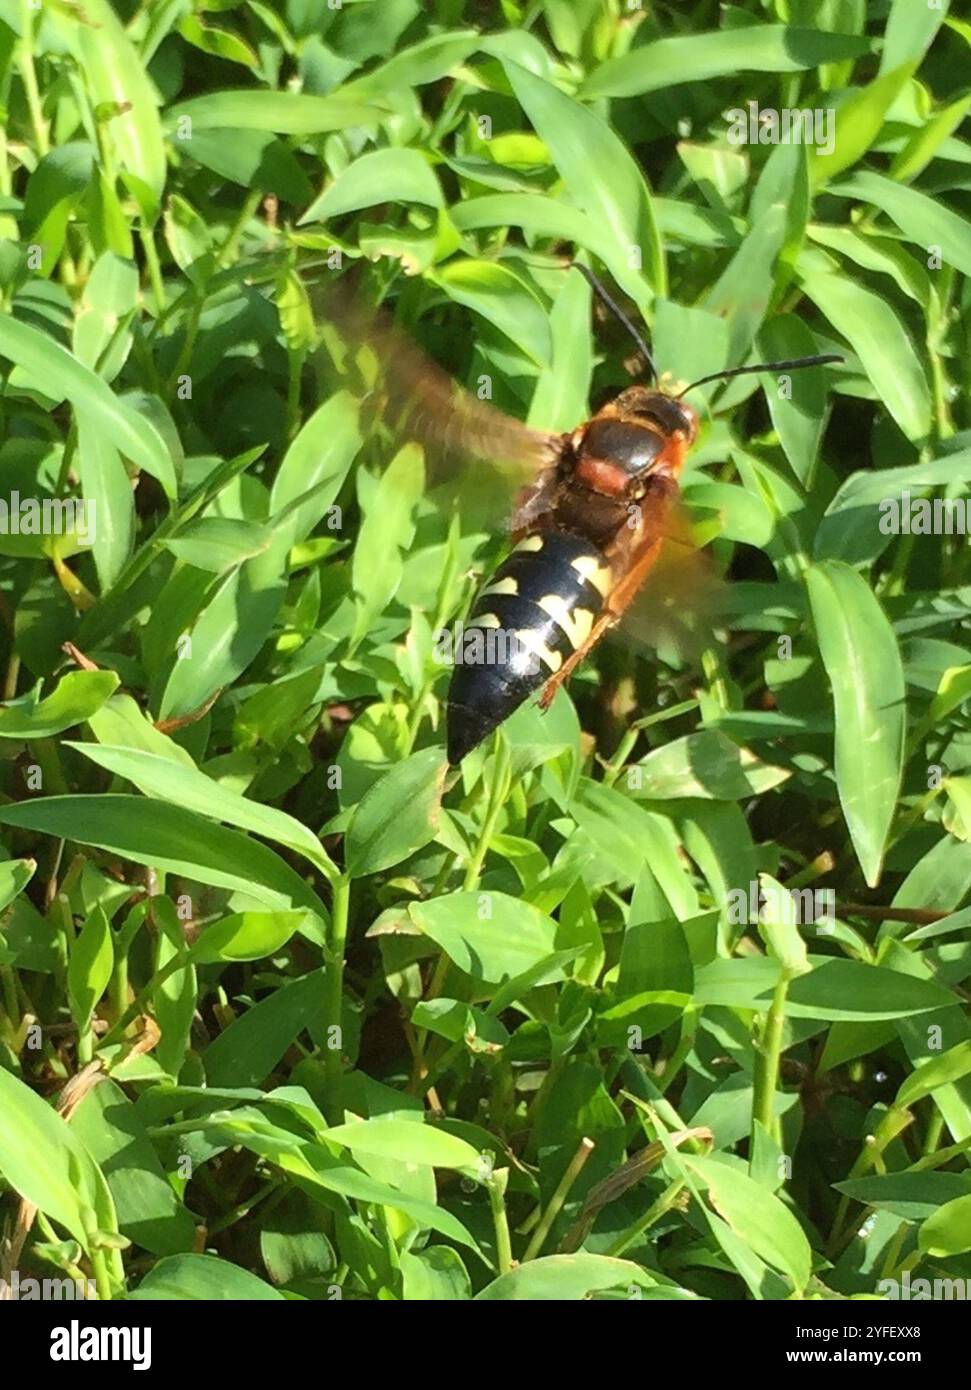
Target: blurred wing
[(483, 454), (678, 605)]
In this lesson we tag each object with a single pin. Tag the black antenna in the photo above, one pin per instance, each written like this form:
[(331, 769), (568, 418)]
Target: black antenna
[(821, 360), (600, 290)]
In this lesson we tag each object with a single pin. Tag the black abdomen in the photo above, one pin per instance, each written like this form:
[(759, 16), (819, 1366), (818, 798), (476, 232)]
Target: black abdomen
[(535, 611)]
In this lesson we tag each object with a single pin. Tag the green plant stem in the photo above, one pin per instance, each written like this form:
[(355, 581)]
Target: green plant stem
[(640, 1084), (870, 1156), (241, 1209), (893, 1251), (48, 758), (935, 1128), (674, 1063), (497, 796), (664, 1203), (767, 1065), (438, 1066), (28, 74), (917, 812), (296, 357), (188, 346), (500, 1219), (714, 668), (153, 266), (333, 998), (8, 988), (118, 984), (417, 713), (10, 678), (137, 1006), (99, 1267), (615, 767), (229, 247), (86, 1044), (555, 1204)]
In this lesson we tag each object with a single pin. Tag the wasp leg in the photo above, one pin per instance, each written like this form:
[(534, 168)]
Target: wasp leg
[(605, 621)]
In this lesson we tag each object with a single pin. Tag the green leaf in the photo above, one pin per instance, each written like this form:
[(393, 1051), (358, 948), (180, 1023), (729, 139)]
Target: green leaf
[(107, 490), (314, 1165), (923, 220), (436, 1274), (560, 398), (927, 139), (566, 1278), (315, 466), (387, 504), (398, 814), (45, 1162), (89, 967), (285, 113), (109, 297), (75, 698), (121, 722), (217, 543), (705, 764), (757, 1217), (743, 291), (380, 176), (118, 83), (251, 158), (408, 1142), (246, 936), (171, 838), (504, 299), (15, 874), (859, 650), (948, 1231), (185, 786), (429, 60), (246, 1052), (799, 415), (726, 52), (226, 635), (835, 989), (490, 936), (910, 31), (859, 120), (846, 989), (911, 1196), (61, 376), (539, 215), (602, 178), (221, 43), (936, 1071), (149, 1212), (203, 1278), (630, 836), (859, 521)]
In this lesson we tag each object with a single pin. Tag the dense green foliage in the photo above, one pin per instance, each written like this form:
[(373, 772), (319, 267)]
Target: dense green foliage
[(288, 1008)]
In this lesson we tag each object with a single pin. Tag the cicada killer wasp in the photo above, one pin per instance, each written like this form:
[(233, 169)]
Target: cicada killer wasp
[(588, 527)]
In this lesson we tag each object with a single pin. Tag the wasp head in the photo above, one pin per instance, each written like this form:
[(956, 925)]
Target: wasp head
[(670, 415)]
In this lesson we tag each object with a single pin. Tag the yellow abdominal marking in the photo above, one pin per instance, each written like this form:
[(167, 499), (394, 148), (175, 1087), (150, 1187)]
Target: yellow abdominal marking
[(576, 625), (509, 585), (486, 620), (530, 543), (535, 644), (596, 573)]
